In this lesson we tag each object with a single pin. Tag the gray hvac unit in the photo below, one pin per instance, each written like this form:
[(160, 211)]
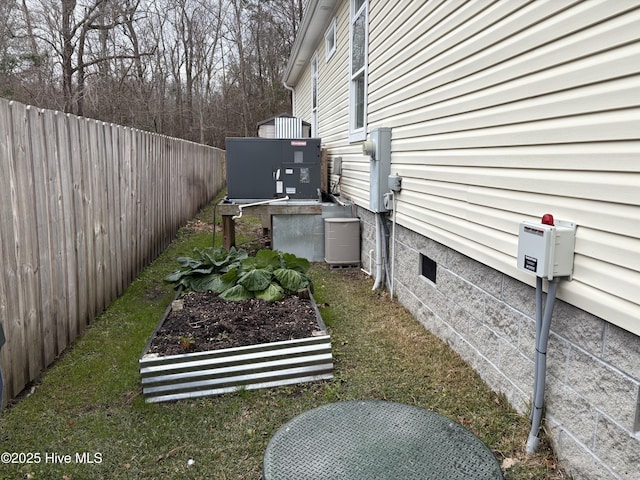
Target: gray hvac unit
[(266, 168), (342, 241)]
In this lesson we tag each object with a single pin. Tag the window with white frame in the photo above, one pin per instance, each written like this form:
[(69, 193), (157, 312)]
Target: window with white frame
[(314, 95), (330, 41), (358, 30)]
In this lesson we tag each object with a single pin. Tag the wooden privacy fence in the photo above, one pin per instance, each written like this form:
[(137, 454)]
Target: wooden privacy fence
[(84, 207)]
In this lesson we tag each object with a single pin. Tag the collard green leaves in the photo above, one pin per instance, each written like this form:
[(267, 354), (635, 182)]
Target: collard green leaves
[(235, 275)]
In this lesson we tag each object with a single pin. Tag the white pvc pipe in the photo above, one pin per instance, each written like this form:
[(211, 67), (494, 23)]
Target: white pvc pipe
[(370, 272), (264, 202), (337, 200)]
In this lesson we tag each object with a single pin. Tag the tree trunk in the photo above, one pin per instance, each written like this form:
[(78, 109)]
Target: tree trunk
[(68, 6)]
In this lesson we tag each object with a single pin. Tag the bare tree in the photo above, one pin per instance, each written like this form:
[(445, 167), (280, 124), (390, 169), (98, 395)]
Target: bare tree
[(197, 69), (79, 34), (22, 65), (7, 32), (237, 28)]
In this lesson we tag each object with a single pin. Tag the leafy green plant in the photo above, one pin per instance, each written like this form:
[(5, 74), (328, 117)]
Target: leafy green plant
[(235, 275)]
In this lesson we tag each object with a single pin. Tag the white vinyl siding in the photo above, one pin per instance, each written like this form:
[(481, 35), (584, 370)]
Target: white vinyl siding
[(302, 97), (506, 111), (501, 112), (334, 76)]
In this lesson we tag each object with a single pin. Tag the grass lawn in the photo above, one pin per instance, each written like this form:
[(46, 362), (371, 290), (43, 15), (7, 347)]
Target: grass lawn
[(85, 418)]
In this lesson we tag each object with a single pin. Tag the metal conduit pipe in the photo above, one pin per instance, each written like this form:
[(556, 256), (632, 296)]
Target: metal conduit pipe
[(543, 325)]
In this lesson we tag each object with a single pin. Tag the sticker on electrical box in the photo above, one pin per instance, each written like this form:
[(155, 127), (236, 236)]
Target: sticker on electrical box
[(305, 175), (291, 190), (279, 187), (298, 143), (530, 263), (534, 231), (288, 171)]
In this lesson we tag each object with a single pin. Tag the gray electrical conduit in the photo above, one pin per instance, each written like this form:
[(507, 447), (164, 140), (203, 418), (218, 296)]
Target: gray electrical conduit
[(384, 271), (393, 245), (543, 325), (385, 250), (539, 312), (379, 251)]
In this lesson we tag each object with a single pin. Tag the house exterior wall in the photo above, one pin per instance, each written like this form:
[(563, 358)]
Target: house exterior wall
[(502, 121), (488, 317), (501, 112)]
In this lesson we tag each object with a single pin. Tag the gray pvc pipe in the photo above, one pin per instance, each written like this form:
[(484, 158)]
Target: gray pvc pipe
[(393, 245), (539, 311), (542, 339), (379, 244), (385, 249)]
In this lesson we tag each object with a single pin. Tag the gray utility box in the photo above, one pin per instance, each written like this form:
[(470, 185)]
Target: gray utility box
[(342, 241), (266, 168)]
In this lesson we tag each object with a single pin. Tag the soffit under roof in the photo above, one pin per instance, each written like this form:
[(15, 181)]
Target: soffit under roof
[(314, 24)]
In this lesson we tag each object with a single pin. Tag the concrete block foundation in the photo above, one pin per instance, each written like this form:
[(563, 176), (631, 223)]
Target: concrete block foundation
[(593, 367)]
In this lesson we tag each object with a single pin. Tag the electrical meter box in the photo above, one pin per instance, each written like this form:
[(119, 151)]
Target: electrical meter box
[(266, 168), (378, 147), (547, 250)]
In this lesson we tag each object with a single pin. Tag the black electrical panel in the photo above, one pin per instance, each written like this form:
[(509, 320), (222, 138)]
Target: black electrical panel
[(266, 168)]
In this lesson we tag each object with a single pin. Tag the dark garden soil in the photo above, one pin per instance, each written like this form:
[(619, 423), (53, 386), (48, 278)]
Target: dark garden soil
[(206, 322)]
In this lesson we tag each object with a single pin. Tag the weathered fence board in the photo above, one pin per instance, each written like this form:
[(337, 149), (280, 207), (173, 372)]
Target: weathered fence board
[(67, 231), (84, 207)]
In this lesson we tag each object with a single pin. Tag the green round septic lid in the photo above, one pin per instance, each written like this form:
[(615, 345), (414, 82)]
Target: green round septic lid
[(376, 440)]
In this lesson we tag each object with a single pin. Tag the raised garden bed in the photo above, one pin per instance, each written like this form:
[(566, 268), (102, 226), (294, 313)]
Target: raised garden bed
[(234, 345)]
